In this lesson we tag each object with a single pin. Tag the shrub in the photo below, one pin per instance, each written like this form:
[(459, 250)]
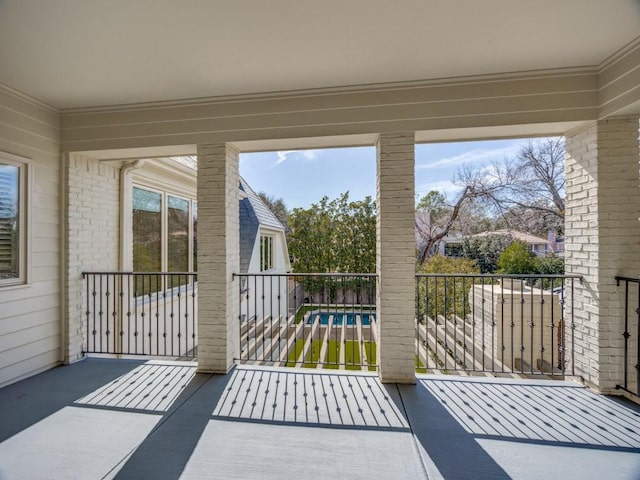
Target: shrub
[(445, 296), (517, 259)]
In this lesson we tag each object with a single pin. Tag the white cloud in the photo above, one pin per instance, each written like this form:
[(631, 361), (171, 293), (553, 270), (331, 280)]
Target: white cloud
[(283, 155), (445, 186), (474, 156)]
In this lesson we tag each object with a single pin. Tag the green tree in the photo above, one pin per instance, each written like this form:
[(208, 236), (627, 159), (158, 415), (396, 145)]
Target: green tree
[(334, 236), (549, 265), (446, 296), (485, 250), (517, 259)]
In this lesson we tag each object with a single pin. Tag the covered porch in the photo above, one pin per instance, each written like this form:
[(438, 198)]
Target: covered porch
[(87, 90), (163, 420)]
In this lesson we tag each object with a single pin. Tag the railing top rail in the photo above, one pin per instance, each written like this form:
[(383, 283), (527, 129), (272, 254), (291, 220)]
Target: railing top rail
[(139, 273), (497, 275), (619, 278), (305, 275)]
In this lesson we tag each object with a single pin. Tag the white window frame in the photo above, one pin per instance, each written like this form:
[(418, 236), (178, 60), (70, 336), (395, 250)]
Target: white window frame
[(24, 218), (269, 249), (164, 224)]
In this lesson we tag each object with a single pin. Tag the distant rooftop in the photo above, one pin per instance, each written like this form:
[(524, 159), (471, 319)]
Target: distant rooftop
[(522, 236)]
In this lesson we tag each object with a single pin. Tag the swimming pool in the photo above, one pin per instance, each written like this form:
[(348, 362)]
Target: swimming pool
[(339, 317)]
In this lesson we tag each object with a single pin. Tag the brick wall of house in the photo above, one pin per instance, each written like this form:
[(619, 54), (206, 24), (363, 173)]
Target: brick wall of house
[(218, 257), (92, 203), (602, 231)]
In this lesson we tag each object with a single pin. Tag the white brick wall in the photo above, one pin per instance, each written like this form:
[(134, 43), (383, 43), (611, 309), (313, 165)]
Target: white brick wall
[(92, 225), (218, 257), (395, 257), (602, 232)]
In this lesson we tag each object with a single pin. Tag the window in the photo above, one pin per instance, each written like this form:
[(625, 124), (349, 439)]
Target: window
[(266, 252), (164, 230), (147, 231), (13, 194), (177, 234)]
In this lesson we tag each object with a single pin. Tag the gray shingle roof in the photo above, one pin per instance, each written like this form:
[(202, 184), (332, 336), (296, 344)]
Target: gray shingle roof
[(253, 213)]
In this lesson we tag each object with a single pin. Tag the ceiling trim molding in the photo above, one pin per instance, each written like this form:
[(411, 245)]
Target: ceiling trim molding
[(353, 89), (619, 81), (27, 98), (620, 53)]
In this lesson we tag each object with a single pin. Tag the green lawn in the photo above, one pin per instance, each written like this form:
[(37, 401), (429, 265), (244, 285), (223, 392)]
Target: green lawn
[(420, 368), (311, 361), (352, 355), (370, 349), (333, 354), (314, 354), (294, 353)]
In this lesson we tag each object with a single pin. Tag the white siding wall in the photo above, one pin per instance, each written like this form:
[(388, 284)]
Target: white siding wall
[(30, 326)]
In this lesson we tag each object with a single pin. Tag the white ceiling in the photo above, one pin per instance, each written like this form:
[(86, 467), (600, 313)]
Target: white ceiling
[(77, 53)]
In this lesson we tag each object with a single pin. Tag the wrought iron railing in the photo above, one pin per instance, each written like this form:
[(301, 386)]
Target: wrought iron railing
[(495, 323), (308, 320), (136, 313), (631, 335)]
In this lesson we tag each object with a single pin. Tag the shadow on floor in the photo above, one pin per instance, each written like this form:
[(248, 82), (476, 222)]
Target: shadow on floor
[(476, 428), (270, 397), (161, 420), (29, 401), (443, 441)]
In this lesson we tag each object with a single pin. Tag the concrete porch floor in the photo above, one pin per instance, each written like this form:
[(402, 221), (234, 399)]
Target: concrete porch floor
[(125, 419)]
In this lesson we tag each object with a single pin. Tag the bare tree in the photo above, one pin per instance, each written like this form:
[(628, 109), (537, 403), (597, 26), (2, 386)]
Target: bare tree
[(435, 218), (277, 206), (527, 191)]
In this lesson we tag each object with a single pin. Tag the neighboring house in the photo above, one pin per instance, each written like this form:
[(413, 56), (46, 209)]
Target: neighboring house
[(539, 246), (263, 243), (263, 250)]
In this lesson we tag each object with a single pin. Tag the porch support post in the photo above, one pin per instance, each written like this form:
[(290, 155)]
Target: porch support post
[(395, 257), (218, 257), (602, 241)]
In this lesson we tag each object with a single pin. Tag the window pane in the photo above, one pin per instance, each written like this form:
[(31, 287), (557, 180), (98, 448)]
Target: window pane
[(266, 253), (147, 236), (9, 222), (178, 231)]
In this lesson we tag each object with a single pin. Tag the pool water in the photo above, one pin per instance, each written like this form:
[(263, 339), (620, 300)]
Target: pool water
[(338, 318)]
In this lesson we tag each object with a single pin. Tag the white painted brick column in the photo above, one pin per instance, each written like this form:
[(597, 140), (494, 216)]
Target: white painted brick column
[(395, 257), (218, 257), (602, 240), (92, 200)]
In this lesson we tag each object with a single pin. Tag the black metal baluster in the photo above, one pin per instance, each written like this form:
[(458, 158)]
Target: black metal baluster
[(637, 365), (542, 303), (194, 316), (129, 311), (532, 325)]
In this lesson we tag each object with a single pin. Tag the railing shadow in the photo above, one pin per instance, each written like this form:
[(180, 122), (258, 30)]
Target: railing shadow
[(210, 421), (309, 398), (449, 416), (27, 402)]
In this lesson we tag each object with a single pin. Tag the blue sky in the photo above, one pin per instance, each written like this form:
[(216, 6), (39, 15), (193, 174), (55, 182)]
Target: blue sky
[(302, 177)]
